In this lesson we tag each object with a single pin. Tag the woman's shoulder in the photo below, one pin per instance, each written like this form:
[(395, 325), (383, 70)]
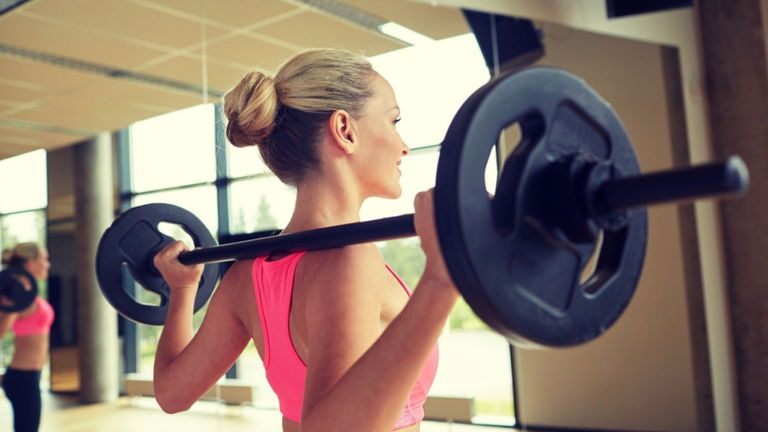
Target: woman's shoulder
[(360, 258), (345, 268), (238, 275)]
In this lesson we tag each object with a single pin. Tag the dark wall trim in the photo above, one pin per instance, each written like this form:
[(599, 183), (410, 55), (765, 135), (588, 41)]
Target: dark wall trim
[(9, 5), (735, 59), (622, 8)]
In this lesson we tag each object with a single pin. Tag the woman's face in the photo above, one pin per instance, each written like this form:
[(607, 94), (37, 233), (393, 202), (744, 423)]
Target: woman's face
[(381, 148), (38, 267)]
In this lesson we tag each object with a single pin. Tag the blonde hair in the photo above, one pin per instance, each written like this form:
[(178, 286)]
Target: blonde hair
[(21, 253), (283, 115)]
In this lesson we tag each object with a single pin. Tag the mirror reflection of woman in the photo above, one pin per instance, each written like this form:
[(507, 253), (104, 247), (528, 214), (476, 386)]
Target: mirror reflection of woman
[(31, 327)]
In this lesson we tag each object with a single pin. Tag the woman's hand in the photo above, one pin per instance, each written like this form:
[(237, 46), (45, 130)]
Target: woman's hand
[(424, 221), (177, 275)]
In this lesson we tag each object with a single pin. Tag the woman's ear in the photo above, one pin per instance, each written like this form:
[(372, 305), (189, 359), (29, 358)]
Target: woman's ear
[(342, 130)]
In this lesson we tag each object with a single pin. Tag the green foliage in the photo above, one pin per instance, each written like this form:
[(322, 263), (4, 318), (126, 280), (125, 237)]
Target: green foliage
[(498, 406), (462, 317), (406, 258), (6, 349), (149, 335)]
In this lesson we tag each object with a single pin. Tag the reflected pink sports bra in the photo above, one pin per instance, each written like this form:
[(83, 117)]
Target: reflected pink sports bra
[(39, 321), (286, 372)]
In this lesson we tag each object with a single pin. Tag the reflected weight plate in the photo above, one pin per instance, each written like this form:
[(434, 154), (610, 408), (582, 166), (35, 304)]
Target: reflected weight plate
[(18, 289)]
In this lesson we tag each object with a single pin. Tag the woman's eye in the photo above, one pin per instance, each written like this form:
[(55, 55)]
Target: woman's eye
[(396, 121)]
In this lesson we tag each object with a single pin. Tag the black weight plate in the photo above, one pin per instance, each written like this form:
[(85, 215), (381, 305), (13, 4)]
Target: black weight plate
[(131, 242), (18, 289), (521, 274)]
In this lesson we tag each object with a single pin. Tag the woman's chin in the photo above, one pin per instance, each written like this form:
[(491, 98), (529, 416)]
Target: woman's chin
[(396, 194)]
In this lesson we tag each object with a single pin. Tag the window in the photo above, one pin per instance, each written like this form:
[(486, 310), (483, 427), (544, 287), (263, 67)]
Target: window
[(260, 203), (172, 160), (431, 81), (26, 226), (200, 200), (245, 161), (173, 149), (25, 182)]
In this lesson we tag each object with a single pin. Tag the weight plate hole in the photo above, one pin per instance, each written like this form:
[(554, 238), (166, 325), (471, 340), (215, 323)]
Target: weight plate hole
[(508, 141), (491, 172), (589, 269), (176, 231), (137, 292)]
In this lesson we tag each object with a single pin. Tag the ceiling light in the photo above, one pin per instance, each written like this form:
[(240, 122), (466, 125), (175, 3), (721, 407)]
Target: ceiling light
[(395, 30), (367, 20)]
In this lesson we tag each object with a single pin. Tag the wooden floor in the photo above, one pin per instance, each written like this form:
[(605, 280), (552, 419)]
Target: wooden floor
[(141, 414)]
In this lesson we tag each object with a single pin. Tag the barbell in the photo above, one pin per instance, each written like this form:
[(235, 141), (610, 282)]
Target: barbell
[(570, 193), (18, 289)]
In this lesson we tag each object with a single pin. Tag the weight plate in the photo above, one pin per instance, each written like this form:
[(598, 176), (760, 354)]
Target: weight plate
[(18, 289), (131, 243), (516, 258)]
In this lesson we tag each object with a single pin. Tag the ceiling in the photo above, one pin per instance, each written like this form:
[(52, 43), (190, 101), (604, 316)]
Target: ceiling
[(71, 69)]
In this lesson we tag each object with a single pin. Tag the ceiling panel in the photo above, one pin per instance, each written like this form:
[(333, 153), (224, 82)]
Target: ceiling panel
[(75, 67), (234, 13), (111, 104), (31, 139), (250, 52), (120, 103), (54, 38), (188, 68), (34, 74), (13, 93), (123, 19), (436, 22), (316, 30), (10, 149), (71, 117)]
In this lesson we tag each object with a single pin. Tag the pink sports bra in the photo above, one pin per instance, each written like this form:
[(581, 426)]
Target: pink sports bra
[(39, 321), (286, 372)]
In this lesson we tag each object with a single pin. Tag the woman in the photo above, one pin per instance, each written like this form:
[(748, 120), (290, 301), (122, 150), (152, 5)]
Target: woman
[(31, 327), (345, 345)]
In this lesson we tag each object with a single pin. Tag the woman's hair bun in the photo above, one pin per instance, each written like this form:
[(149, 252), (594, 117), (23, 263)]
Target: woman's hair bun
[(251, 109)]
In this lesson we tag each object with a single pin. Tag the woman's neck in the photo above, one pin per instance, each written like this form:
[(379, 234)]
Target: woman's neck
[(321, 203)]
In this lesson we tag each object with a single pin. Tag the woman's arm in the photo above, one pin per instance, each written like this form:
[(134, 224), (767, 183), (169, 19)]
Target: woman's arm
[(356, 379), (186, 366), (6, 321)]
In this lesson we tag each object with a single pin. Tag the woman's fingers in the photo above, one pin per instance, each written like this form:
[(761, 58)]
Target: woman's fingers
[(176, 274)]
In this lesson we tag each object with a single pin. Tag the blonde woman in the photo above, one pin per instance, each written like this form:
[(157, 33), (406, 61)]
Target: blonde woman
[(346, 345), (31, 328)]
